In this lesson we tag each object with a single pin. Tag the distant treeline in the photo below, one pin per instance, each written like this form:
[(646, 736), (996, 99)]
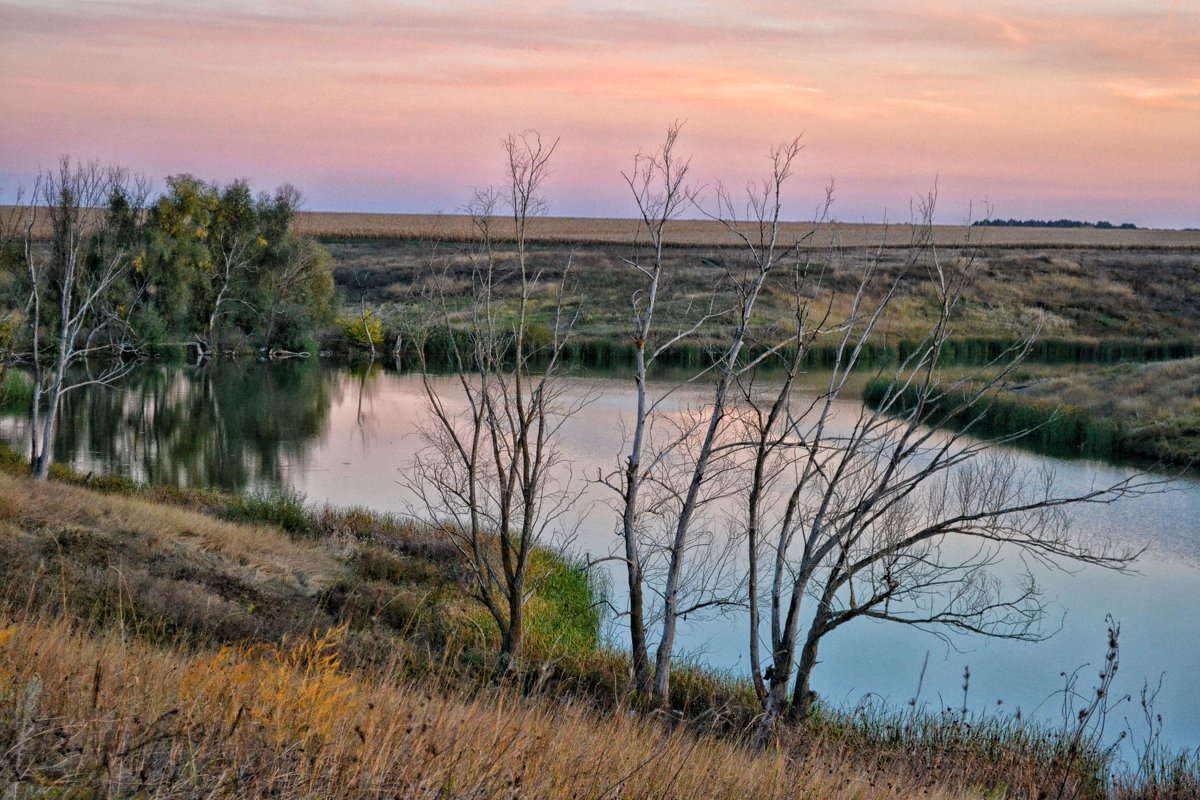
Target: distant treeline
[(1052, 223)]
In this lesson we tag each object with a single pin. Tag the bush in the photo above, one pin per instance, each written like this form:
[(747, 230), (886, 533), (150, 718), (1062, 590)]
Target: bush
[(356, 330), (282, 507), (16, 392)]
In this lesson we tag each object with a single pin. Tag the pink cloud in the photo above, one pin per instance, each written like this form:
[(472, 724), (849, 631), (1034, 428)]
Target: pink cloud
[(359, 97)]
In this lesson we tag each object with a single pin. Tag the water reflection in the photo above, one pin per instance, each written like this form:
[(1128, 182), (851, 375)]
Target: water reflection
[(345, 436), (230, 425)]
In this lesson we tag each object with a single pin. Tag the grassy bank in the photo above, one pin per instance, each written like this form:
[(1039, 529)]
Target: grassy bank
[(160, 642), (1134, 411), (1076, 295)]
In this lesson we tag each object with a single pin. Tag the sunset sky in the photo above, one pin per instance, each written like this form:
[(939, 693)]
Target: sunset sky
[(1088, 110)]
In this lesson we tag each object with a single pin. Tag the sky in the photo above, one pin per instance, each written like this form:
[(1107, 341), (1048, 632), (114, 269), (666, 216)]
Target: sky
[(1015, 108)]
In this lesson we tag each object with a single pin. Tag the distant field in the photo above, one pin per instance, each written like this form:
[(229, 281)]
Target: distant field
[(456, 227), (329, 225)]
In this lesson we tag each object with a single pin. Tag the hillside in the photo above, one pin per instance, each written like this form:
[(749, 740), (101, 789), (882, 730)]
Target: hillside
[(150, 647)]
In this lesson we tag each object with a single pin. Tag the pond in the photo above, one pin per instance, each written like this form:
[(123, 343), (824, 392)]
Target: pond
[(347, 437)]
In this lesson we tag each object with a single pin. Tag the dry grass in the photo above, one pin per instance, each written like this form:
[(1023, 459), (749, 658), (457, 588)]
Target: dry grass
[(161, 571), (150, 651), (457, 227), (95, 716), (256, 553), (1156, 405), (1091, 294), (1135, 394)]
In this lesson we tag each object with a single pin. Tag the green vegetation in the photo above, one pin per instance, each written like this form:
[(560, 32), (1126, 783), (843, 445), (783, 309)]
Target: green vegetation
[(1142, 411), (364, 330), (219, 264), (203, 265), (16, 391), (282, 507)]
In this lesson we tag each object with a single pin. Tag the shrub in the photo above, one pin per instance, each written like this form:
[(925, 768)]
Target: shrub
[(16, 391), (356, 330), (283, 507)]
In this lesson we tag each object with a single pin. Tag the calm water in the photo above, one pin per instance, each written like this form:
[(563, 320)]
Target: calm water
[(348, 437)]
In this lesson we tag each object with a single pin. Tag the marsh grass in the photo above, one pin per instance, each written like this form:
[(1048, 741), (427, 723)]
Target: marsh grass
[(16, 391), (1143, 411)]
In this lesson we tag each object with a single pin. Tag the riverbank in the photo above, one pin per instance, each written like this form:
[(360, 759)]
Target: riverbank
[(1148, 412), (232, 607), (1073, 295)]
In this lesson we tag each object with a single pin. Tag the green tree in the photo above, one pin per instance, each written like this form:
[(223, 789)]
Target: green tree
[(224, 262)]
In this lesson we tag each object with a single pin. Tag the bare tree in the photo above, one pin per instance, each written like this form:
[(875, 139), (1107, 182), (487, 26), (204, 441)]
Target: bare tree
[(658, 183), (674, 478), (76, 313), (492, 473), (885, 515)]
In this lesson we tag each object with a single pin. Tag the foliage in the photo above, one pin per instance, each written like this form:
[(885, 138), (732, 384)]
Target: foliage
[(16, 391), (221, 262), (364, 330), (1051, 223), (283, 507)]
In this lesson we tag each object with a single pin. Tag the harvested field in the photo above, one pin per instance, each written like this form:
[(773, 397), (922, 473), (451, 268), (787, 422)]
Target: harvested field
[(575, 230), (339, 225)]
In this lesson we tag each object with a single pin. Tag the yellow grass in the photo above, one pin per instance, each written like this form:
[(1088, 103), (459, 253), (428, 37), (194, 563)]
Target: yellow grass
[(96, 716), (256, 553)]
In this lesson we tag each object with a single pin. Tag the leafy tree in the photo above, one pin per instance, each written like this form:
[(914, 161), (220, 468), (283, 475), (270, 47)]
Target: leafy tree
[(224, 262)]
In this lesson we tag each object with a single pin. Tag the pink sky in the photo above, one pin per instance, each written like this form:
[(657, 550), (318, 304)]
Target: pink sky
[(1088, 110)]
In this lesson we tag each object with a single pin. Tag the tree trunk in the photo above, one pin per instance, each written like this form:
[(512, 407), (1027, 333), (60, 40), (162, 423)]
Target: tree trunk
[(803, 696), (642, 674), (774, 708), (510, 645), (40, 465)]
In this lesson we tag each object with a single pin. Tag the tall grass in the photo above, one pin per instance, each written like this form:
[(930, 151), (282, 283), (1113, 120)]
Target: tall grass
[(16, 392), (1051, 427), (97, 716)]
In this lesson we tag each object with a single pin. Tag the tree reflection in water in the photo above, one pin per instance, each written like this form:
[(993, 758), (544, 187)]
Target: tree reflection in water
[(231, 425)]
